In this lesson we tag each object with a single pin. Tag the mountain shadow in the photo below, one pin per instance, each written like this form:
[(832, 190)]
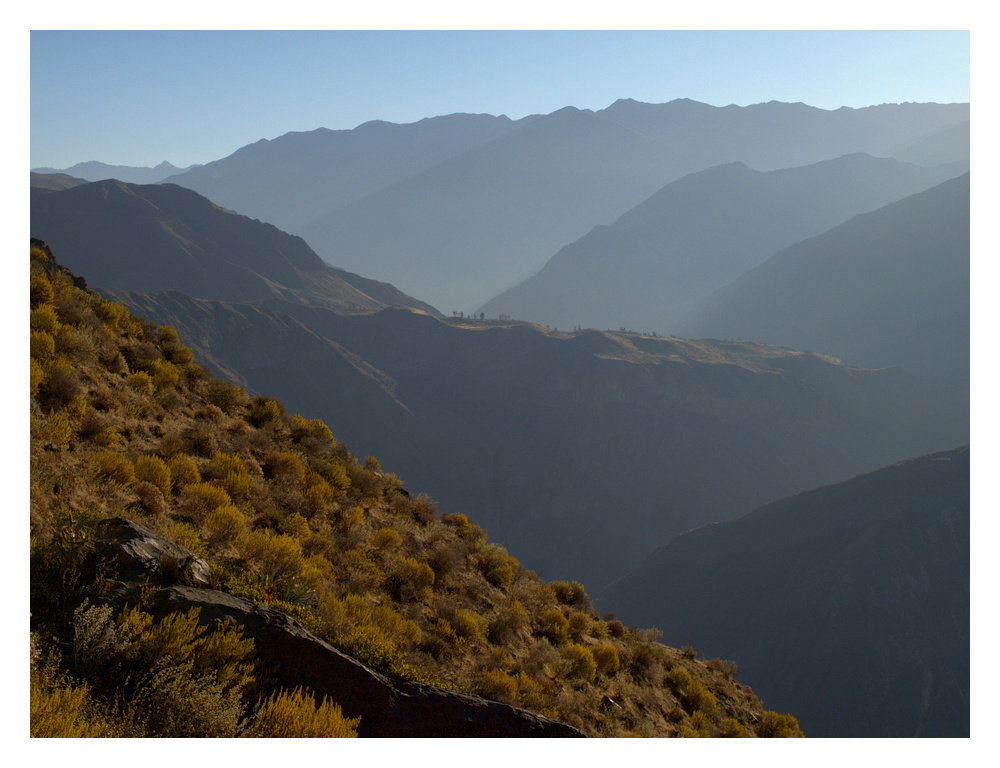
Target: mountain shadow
[(848, 604)]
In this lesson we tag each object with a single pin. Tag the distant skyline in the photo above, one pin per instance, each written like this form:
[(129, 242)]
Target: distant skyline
[(141, 97)]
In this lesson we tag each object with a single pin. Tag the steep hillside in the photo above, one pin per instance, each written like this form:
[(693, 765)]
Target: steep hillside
[(325, 599), (540, 436), (890, 287), (699, 233), (848, 604), (165, 237)]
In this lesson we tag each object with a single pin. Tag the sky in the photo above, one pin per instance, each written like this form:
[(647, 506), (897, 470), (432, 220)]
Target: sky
[(141, 97)]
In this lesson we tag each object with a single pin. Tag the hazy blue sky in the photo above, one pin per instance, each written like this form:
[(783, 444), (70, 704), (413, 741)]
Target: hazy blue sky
[(138, 98)]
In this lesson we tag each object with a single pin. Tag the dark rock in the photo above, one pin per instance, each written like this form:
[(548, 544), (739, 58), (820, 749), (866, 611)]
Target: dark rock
[(295, 657)]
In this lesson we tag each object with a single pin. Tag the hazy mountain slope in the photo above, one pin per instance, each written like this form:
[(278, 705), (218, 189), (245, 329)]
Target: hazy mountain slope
[(696, 235), (486, 218), (300, 176), (166, 237), (460, 232), (890, 287), (96, 171), (780, 135), (949, 145), (848, 604), (577, 452)]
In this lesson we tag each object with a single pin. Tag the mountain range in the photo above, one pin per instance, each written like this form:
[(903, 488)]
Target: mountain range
[(456, 209), (848, 604), (699, 233), (94, 170), (609, 457)]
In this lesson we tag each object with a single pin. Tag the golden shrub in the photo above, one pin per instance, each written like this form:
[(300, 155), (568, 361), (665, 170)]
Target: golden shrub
[(41, 289), (224, 524), (141, 382), (64, 712), (154, 470), (58, 430), (277, 557), (296, 714), (581, 661), (44, 318), (386, 538), (198, 499), (42, 344), (285, 464), (165, 375), (183, 470), (467, 624), (115, 466), (606, 658)]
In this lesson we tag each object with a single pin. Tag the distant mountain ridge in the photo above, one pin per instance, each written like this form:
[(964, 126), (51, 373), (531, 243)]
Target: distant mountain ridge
[(692, 237), (97, 171), (484, 209), (848, 604), (164, 237)]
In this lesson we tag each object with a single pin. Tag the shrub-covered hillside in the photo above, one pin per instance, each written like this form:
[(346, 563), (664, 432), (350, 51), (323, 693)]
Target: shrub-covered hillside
[(124, 423)]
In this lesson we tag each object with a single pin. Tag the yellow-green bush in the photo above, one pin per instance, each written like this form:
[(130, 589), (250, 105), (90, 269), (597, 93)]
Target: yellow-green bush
[(154, 470), (581, 660), (606, 658), (115, 466), (277, 557), (776, 726), (386, 538), (730, 728), (198, 499), (58, 430), (285, 715), (42, 344), (36, 376), (497, 685), (44, 318), (64, 712), (296, 526), (183, 470), (224, 524), (285, 464), (164, 374), (336, 475), (41, 289), (554, 625), (578, 624), (468, 625), (694, 694), (141, 382)]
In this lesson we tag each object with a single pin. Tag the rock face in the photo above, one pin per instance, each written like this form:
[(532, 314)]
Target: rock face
[(296, 657)]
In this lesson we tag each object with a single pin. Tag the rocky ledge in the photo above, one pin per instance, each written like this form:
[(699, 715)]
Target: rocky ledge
[(296, 657)]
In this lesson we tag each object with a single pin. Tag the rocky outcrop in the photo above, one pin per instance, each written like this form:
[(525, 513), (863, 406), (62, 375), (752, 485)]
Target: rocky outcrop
[(295, 657)]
